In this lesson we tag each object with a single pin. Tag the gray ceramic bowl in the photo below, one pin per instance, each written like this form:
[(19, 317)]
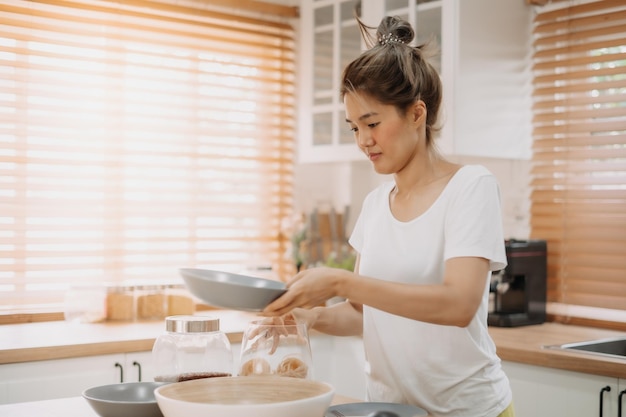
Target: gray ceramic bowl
[(129, 399), (233, 291)]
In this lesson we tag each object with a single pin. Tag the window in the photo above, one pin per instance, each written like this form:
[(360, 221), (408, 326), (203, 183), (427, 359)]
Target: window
[(579, 159), (139, 137)]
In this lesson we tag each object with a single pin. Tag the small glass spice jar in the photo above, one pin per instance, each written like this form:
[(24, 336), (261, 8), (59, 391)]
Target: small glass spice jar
[(192, 347), (85, 303), (151, 302), (120, 303), (179, 300)]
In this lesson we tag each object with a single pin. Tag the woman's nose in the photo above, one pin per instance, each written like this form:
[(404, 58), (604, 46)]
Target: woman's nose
[(365, 140)]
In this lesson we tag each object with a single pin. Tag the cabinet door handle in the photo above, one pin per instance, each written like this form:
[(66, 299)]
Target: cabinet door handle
[(119, 365), (138, 365), (607, 389), (619, 403)]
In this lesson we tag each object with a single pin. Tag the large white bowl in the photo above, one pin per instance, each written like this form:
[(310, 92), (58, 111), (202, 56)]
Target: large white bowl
[(232, 291), (245, 396)]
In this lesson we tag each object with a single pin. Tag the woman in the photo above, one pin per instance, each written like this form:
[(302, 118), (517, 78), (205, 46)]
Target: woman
[(426, 242)]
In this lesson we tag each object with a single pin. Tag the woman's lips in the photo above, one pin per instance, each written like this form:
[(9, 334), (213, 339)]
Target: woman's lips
[(374, 156)]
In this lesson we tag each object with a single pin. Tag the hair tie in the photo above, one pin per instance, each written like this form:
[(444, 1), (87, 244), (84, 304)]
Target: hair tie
[(389, 38)]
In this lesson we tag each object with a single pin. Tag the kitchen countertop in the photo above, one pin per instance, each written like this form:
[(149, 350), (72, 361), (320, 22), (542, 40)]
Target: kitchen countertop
[(57, 340), (77, 407), (60, 339), (527, 345)]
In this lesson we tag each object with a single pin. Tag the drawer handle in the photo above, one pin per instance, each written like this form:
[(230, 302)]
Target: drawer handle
[(619, 403), (607, 389), (138, 365), (119, 365)]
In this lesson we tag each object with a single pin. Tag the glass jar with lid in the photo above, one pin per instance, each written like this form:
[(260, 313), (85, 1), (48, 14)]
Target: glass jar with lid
[(192, 347)]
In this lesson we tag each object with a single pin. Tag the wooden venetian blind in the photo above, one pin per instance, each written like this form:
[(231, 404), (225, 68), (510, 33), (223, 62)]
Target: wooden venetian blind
[(579, 161), (139, 137)]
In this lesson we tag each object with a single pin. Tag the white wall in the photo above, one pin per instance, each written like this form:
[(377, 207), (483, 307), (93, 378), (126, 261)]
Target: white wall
[(514, 178), (347, 183)]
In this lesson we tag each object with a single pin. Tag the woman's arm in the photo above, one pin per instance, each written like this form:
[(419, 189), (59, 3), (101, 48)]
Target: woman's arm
[(454, 302), (341, 319)]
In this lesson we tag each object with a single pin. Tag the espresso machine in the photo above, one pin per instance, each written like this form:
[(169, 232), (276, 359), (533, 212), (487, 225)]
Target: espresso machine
[(517, 294)]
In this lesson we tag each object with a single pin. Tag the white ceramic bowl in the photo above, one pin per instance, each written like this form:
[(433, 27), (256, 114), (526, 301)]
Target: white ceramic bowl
[(129, 399), (245, 396), (233, 291)]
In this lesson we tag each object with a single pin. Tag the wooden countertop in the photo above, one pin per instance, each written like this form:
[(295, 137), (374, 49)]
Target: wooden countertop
[(78, 407), (60, 339), (527, 345), (57, 340)]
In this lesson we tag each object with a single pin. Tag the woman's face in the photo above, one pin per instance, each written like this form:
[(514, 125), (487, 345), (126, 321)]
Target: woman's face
[(390, 140)]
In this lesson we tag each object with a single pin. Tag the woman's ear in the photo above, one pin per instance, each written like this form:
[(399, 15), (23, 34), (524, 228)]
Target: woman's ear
[(418, 112)]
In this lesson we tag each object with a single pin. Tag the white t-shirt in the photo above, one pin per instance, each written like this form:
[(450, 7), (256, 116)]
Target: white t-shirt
[(447, 370)]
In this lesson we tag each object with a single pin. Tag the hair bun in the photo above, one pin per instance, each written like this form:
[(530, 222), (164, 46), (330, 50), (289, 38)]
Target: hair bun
[(393, 29)]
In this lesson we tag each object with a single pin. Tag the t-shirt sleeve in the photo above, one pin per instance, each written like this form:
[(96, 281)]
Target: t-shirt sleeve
[(369, 209), (357, 236), (474, 225)]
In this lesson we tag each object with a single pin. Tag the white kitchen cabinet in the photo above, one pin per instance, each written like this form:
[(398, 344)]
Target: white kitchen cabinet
[(58, 378), (336, 360), (484, 63), (547, 392), (486, 49), (329, 39)]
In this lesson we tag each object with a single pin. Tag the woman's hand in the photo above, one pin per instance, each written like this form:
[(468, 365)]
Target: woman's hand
[(309, 288), (307, 316), (275, 328)]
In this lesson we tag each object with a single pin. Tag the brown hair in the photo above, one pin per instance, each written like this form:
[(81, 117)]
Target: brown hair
[(394, 72)]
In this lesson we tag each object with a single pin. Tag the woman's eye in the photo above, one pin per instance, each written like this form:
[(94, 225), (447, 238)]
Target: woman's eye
[(354, 129), (372, 125)]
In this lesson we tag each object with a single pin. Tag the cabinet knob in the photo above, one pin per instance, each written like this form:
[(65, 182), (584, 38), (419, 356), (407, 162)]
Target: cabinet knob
[(119, 365), (619, 403), (607, 389)]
